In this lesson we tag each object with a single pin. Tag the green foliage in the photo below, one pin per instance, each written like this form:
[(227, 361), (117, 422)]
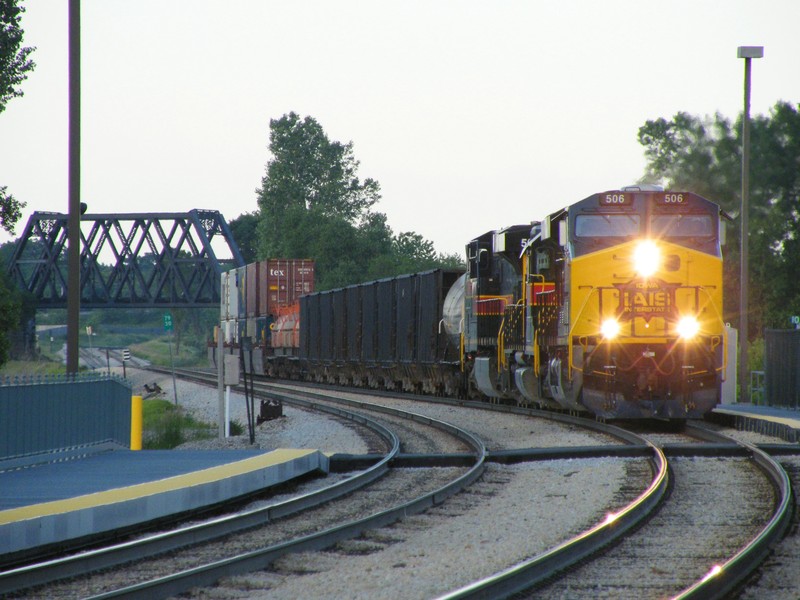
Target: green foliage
[(166, 426), (704, 156), (756, 352), (14, 66), (244, 229), (15, 63), (9, 315), (313, 205), (10, 210), (40, 367)]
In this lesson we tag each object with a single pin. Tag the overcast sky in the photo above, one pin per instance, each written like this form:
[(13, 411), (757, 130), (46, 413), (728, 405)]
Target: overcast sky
[(471, 115)]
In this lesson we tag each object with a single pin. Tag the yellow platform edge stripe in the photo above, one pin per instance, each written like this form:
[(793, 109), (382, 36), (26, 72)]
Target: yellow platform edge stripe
[(209, 475)]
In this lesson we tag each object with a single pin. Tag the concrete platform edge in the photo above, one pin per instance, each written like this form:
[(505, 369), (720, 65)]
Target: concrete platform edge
[(57, 522)]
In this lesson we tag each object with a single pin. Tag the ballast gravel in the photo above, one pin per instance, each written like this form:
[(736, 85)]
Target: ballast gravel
[(514, 512)]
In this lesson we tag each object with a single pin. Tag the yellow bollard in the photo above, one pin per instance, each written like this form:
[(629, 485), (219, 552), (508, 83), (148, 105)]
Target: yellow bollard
[(136, 422)]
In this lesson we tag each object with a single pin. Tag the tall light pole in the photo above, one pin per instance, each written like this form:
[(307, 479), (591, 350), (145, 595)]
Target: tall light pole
[(74, 218), (747, 53)]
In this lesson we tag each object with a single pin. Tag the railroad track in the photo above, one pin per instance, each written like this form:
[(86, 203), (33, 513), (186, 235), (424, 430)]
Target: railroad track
[(249, 554), (745, 543), (625, 515), (705, 540), (552, 559)]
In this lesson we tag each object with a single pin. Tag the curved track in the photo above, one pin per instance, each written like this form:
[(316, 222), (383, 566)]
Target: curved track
[(245, 561)]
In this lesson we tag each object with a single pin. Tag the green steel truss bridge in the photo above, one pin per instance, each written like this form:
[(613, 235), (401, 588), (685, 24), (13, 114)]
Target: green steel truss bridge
[(150, 260)]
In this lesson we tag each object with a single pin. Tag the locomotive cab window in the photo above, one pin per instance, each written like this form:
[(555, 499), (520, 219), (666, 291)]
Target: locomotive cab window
[(682, 226), (608, 225)]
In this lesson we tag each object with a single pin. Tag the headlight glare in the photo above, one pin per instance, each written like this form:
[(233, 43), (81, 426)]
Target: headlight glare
[(646, 258), (688, 327), (609, 329)]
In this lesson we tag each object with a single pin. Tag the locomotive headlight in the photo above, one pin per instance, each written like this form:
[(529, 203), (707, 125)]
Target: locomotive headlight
[(688, 327), (646, 258), (609, 329)]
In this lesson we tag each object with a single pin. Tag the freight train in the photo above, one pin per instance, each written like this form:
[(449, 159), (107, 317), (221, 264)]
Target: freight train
[(611, 306)]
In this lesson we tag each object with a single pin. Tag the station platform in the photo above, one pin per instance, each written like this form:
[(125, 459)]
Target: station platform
[(783, 423), (110, 488)]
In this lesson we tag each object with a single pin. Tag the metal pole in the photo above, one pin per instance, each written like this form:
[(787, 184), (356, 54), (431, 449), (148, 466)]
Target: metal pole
[(220, 384), (747, 53), (744, 272), (172, 364), (74, 219)]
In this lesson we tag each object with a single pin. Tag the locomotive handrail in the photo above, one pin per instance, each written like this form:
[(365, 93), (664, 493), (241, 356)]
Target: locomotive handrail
[(572, 329), (724, 367)]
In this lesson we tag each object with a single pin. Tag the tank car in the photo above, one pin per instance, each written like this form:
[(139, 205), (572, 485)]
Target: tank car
[(612, 305)]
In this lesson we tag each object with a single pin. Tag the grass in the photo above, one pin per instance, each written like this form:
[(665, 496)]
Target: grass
[(167, 426), (153, 349), (39, 367), (157, 351)]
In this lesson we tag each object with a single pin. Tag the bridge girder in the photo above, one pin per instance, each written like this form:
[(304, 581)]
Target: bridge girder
[(154, 260)]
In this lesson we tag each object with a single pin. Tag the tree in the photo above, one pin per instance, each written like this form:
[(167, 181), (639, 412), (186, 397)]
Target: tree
[(704, 156), (308, 175), (10, 210), (244, 229), (14, 67), (313, 205), (15, 63)]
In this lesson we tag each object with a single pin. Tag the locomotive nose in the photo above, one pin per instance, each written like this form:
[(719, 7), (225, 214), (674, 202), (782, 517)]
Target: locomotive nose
[(646, 258)]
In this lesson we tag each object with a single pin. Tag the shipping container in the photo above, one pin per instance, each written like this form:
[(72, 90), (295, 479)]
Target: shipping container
[(253, 287), (283, 281), (233, 296), (241, 286), (223, 297)]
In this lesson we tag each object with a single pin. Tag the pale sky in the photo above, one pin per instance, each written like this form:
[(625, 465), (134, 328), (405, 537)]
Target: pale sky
[(471, 115)]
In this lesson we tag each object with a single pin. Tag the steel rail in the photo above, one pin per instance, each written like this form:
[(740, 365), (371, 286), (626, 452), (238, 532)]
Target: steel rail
[(535, 570), (208, 574), (723, 579), (94, 560)]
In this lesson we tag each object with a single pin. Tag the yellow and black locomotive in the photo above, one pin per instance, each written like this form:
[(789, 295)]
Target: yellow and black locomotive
[(612, 305)]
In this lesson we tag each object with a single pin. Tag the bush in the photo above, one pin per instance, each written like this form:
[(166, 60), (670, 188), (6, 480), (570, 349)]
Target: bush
[(167, 426)]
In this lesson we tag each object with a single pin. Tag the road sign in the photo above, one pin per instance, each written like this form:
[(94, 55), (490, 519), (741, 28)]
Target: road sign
[(167, 322), (126, 354)]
